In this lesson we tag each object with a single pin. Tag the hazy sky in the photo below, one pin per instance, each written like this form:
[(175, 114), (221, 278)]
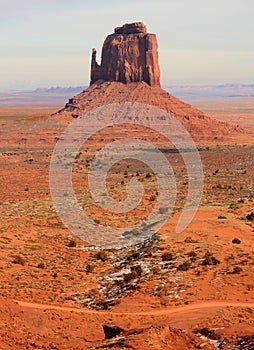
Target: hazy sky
[(48, 42)]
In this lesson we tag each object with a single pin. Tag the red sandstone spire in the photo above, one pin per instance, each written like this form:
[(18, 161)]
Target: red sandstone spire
[(128, 55)]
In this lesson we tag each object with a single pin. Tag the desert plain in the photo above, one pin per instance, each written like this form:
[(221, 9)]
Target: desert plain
[(190, 290)]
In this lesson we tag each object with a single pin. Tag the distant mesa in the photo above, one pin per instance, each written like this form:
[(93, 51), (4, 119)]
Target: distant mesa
[(59, 90), (129, 55)]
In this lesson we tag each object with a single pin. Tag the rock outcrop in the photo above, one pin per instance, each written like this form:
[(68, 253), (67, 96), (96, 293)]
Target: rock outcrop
[(129, 72), (129, 55), (200, 126)]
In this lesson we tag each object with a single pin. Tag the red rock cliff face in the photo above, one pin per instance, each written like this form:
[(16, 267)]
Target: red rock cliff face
[(128, 55)]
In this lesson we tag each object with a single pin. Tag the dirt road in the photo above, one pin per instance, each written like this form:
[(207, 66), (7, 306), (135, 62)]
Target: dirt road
[(165, 311)]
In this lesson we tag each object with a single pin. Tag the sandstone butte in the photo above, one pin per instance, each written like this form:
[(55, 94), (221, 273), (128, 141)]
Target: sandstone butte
[(129, 72), (129, 55)]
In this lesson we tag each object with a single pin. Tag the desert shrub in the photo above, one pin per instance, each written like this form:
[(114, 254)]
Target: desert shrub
[(163, 210), (101, 255), (152, 198), (207, 255), (250, 217), (167, 256), (72, 243), (192, 254), (155, 269), (89, 268), (130, 276), (236, 241), (185, 266), (222, 217), (111, 332), (230, 257), (134, 255), (19, 260), (148, 175), (189, 240), (138, 269), (209, 259), (41, 265), (237, 270)]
